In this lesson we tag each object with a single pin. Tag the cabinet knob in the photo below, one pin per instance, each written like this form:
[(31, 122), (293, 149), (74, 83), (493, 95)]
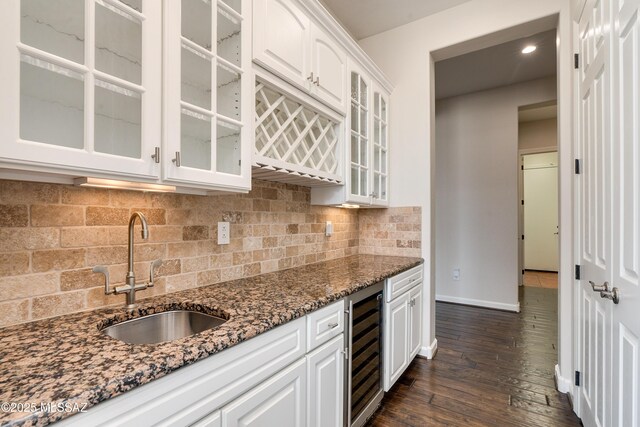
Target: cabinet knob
[(176, 160)]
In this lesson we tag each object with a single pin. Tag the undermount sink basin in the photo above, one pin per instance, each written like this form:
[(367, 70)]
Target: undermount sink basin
[(162, 327)]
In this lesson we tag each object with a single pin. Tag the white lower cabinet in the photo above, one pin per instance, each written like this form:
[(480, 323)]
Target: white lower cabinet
[(279, 401), (402, 323), (325, 384), (211, 420)]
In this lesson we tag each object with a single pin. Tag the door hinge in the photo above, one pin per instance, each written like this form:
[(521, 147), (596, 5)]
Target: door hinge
[(577, 379), (577, 272), (523, 237), (576, 60), (577, 167)]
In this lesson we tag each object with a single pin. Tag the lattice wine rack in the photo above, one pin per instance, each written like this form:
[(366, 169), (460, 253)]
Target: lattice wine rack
[(294, 143)]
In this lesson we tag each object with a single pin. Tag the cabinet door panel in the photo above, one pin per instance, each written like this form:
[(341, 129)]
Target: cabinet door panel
[(415, 329), (325, 385), (329, 65), (281, 39), (396, 330), (279, 401)]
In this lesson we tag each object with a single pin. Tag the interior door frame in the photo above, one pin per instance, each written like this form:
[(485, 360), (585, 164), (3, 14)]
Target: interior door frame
[(521, 153)]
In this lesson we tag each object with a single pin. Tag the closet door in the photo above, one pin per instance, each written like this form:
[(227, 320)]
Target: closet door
[(81, 86)]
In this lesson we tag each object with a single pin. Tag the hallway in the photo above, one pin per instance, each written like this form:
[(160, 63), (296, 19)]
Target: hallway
[(493, 368)]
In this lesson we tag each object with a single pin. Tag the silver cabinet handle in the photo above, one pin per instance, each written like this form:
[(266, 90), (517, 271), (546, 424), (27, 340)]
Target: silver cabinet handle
[(176, 160), (310, 78), (332, 325), (156, 155), (317, 82), (599, 288)]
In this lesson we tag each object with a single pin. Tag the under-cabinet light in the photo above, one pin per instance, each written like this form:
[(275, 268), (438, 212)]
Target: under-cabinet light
[(123, 185), (348, 206), (529, 49)]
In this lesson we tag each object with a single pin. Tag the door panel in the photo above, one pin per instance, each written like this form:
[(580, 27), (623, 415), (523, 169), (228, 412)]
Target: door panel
[(626, 214), (325, 389), (330, 65), (396, 330), (416, 322)]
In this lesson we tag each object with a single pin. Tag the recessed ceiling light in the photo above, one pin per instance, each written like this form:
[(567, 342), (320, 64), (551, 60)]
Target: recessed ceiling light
[(529, 49)]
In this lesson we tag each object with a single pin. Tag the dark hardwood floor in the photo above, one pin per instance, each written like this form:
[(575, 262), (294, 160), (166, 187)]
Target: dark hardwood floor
[(492, 368)]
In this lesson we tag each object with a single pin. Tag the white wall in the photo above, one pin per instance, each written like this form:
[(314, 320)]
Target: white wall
[(538, 134), (404, 54), (477, 193)]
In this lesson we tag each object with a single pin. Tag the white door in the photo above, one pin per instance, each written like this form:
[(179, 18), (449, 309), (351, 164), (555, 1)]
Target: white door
[(626, 214), (609, 197), (396, 339), (329, 63), (281, 35), (325, 384), (279, 401), (415, 334), (540, 178)]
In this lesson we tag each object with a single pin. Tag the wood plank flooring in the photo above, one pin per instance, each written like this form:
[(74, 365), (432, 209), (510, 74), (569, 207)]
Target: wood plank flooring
[(541, 279), (492, 368)]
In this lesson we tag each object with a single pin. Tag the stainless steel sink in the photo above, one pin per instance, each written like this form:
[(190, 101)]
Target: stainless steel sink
[(161, 327)]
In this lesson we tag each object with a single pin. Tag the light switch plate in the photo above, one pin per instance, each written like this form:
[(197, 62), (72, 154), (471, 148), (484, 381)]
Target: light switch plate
[(223, 233), (328, 230)]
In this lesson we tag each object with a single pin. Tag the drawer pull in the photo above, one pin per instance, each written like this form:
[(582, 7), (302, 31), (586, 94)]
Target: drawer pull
[(332, 325)]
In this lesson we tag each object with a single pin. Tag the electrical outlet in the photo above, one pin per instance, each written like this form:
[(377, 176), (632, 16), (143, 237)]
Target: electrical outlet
[(223, 233), (328, 230), (456, 274)]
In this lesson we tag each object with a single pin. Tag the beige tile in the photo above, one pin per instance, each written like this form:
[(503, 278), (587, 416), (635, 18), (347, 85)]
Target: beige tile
[(84, 196), (57, 259), (106, 255), (83, 236), (195, 232), (182, 249), (169, 268), (17, 239), (208, 277), (56, 305), (56, 215), (195, 264), (14, 216), (14, 263), (181, 282), (28, 286), (154, 216), (14, 312), (100, 215), (28, 192), (80, 279)]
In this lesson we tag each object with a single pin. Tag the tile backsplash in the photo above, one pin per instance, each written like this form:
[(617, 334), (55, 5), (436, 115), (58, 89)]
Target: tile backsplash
[(52, 235)]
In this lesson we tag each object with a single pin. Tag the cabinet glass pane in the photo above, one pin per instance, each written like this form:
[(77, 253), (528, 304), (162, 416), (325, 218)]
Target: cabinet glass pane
[(228, 148), (228, 92), (383, 162), (354, 118), (51, 104), (196, 22), (383, 109), (117, 120), (354, 86), (196, 78), (228, 37), (195, 144), (363, 93), (354, 180), (133, 4), (354, 149), (363, 182), (383, 136), (55, 26), (118, 43), (376, 104), (363, 152), (364, 130), (376, 158), (383, 188), (376, 131), (376, 184), (235, 4)]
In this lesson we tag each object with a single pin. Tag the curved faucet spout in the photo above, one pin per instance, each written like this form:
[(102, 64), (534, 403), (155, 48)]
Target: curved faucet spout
[(131, 279)]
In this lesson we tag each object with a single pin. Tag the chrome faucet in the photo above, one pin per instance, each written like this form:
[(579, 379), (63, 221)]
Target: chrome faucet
[(131, 286)]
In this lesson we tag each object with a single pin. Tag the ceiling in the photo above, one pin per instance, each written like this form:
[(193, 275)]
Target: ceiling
[(364, 18), (496, 66), (538, 112)]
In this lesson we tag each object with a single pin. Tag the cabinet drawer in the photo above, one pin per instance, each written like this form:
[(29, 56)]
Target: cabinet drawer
[(401, 283), (324, 324)]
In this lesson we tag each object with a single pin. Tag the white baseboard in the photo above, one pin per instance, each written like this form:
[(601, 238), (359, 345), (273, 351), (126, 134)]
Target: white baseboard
[(429, 351), (564, 384), (480, 303)]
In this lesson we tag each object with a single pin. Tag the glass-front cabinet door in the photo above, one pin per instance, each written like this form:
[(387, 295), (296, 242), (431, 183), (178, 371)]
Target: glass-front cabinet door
[(359, 138), (207, 61), (380, 166), (81, 86)]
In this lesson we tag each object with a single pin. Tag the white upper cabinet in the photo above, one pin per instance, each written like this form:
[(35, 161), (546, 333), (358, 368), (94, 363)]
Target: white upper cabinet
[(329, 64), (288, 43), (380, 146), (208, 93), (281, 37), (82, 88)]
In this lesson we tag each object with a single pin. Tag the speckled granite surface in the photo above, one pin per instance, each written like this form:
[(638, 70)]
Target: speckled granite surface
[(67, 360)]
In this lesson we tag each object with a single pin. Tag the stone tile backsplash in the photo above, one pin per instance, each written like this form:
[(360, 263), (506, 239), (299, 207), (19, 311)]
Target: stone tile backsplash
[(52, 235)]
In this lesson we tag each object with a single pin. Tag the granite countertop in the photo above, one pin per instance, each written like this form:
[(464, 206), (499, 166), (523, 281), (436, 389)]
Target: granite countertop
[(67, 360)]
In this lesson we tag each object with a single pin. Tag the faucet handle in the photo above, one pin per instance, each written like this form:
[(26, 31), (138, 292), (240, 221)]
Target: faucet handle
[(155, 264), (104, 270)]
